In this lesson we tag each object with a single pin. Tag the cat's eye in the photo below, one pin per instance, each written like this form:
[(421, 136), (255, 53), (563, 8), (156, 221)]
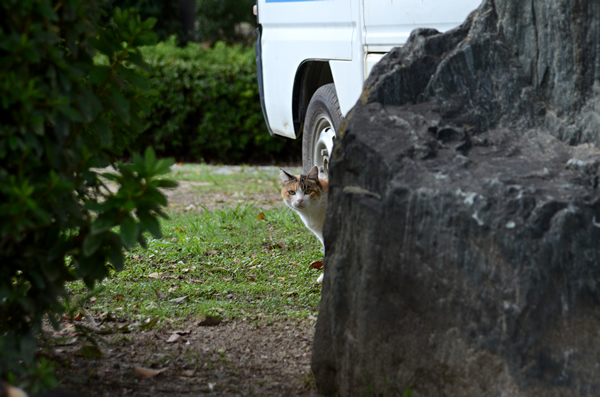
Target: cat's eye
[(307, 191), (291, 192)]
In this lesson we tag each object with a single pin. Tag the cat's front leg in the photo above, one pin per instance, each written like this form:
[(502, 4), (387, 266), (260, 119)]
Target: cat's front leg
[(320, 236)]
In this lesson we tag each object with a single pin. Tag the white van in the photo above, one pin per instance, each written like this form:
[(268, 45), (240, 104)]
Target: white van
[(313, 56)]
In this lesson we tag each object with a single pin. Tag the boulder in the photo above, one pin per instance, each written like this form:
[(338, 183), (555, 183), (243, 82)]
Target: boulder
[(463, 228)]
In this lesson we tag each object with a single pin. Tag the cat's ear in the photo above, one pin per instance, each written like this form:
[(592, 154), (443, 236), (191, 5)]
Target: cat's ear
[(313, 173), (285, 177)]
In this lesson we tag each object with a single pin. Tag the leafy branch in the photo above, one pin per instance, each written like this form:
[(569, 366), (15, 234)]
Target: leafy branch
[(64, 116)]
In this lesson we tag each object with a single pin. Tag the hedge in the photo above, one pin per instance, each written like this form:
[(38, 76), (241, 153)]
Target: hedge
[(207, 107)]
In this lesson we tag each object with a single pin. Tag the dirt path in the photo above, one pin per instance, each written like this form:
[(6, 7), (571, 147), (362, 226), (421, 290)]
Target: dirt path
[(230, 359), (189, 196)]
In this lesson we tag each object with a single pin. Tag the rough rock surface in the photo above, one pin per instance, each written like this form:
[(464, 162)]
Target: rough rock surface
[(463, 232)]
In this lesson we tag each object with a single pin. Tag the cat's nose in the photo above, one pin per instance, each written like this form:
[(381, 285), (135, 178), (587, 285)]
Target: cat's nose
[(300, 201)]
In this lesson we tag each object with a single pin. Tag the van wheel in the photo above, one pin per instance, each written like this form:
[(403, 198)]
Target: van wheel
[(323, 118)]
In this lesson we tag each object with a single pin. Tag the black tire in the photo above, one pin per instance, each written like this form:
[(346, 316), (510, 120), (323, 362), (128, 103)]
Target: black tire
[(323, 118)]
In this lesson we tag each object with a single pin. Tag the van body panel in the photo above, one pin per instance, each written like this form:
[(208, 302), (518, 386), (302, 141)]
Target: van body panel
[(293, 32), (352, 35), (388, 23)]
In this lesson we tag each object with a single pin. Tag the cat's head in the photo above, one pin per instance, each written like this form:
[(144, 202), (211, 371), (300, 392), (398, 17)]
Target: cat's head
[(301, 192)]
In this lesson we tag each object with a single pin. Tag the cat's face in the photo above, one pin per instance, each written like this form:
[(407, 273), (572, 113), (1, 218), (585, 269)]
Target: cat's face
[(302, 192)]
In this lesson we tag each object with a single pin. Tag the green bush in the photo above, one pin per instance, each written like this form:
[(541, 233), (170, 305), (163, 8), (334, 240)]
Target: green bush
[(62, 116), (208, 107)]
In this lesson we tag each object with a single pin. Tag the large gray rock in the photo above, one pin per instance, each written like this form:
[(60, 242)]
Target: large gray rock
[(463, 231)]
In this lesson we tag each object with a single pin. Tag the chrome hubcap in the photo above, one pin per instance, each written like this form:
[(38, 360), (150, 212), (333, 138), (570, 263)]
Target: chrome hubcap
[(323, 145)]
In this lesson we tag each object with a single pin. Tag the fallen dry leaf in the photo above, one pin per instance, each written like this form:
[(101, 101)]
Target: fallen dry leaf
[(154, 275), (316, 265), (178, 300), (261, 216), (175, 337), (147, 373), (12, 391), (188, 373), (65, 341), (149, 323), (78, 317), (212, 252)]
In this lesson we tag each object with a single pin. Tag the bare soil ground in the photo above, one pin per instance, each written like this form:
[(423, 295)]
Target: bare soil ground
[(229, 359), (189, 196), (235, 358)]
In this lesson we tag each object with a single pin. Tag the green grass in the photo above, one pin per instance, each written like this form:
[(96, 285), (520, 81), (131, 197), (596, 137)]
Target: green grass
[(231, 263)]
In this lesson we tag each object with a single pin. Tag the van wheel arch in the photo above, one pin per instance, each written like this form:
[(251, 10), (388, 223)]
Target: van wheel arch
[(310, 76)]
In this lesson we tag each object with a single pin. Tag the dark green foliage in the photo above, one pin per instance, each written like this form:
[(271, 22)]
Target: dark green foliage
[(208, 107), (211, 21), (219, 20), (61, 116), (166, 13)]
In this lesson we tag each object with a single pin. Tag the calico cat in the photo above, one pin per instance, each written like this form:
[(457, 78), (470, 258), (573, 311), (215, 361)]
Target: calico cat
[(307, 195)]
